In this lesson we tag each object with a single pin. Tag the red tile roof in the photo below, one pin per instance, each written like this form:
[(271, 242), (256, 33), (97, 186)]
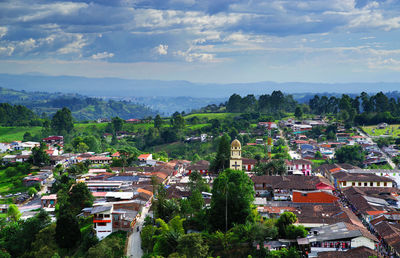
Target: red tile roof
[(313, 197), (143, 156)]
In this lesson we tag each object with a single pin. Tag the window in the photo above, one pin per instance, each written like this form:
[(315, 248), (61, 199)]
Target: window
[(384, 184), (106, 215), (353, 184), (365, 184), (101, 224), (344, 183), (378, 184), (371, 184), (359, 183)]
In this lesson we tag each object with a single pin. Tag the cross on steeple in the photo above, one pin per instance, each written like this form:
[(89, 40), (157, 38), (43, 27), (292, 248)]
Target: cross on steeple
[(236, 165)]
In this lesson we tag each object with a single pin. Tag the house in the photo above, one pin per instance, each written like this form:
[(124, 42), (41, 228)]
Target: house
[(358, 252), (102, 220), (313, 197), (281, 187), (146, 159), (370, 202), (312, 215), (4, 147), (345, 179), (132, 121), (49, 201), (382, 126), (116, 155), (298, 167), (248, 164), (4, 208), (9, 158), (389, 173), (342, 236), (201, 166), (343, 137), (100, 160), (271, 125), (52, 140), (390, 234)]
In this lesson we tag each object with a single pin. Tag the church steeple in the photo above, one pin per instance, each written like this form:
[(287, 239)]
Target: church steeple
[(236, 155)]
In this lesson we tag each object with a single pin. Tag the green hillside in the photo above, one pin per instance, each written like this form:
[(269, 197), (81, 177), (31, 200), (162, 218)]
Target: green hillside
[(82, 107)]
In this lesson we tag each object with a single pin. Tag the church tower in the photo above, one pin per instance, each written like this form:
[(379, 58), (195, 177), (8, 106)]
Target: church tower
[(236, 155)]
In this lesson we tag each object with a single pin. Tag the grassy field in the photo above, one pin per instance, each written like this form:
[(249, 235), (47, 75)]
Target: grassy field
[(7, 187), (213, 115), (393, 130), (9, 134)]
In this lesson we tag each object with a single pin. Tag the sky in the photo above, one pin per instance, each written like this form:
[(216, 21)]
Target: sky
[(219, 41)]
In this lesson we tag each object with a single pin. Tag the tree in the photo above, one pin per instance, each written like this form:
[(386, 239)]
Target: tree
[(177, 121), (117, 124), (221, 160), (167, 240), (192, 245), (298, 113), (82, 147), (232, 198), (13, 213), (79, 198), (32, 191), (146, 236), (273, 167), (62, 121), (45, 242), (286, 219), (39, 157), (67, 230), (27, 137), (197, 182), (158, 122), (350, 154)]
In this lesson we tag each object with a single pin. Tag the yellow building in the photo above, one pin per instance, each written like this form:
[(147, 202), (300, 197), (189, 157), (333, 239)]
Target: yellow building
[(236, 155)]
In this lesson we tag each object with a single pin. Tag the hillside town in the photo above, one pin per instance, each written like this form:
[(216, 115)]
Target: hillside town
[(347, 209)]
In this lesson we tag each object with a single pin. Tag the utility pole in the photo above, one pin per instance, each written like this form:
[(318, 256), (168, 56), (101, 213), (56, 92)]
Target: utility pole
[(226, 206)]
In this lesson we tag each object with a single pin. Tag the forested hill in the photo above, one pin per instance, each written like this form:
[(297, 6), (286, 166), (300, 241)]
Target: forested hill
[(82, 107)]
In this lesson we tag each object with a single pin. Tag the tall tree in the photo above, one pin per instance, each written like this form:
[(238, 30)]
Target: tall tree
[(39, 157), (13, 213), (221, 160), (68, 233), (298, 113), (158, 122), (117, 124), (62, 121), (350, 154), (232, 198)]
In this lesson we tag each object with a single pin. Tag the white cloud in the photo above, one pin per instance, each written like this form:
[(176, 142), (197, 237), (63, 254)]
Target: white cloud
[(3, 31), (161, 49), (102, 55), (196, 57), (75, 46)]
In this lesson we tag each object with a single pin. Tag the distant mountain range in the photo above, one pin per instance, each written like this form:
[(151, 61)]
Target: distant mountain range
[(116, 87)]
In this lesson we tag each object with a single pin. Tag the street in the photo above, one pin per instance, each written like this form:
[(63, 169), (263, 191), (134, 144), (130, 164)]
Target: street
[(134, 249)]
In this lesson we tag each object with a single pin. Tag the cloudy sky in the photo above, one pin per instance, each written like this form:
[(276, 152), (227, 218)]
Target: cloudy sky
[(204, 40)]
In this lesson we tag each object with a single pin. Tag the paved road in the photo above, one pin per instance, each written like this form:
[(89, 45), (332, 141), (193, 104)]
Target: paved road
[(134, 249)]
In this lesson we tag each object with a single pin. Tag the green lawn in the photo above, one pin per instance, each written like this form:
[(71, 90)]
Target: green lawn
[(9, 134), (371, 130), (6, 185), (196, 127)]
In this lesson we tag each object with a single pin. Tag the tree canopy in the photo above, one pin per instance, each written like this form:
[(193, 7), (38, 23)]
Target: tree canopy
[(232, 199)]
